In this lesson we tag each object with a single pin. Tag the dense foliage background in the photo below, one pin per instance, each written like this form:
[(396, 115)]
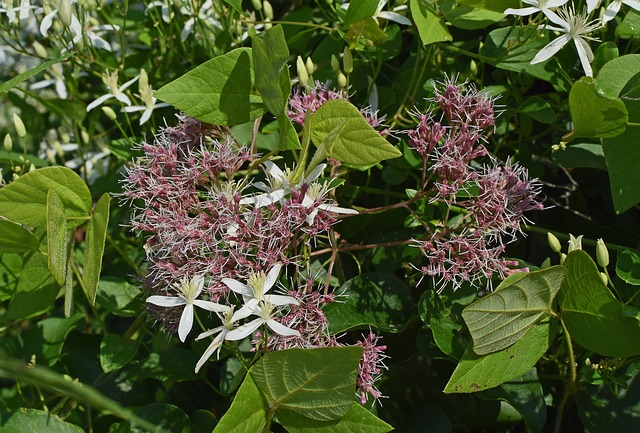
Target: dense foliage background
[(414, 327)]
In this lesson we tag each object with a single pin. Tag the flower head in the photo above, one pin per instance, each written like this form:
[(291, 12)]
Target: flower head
[(575, 26), (115, 91), (228, 324)]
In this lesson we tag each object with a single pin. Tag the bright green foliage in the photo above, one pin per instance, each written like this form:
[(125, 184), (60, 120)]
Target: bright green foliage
[(379, 300), (34, 421), (57, 237), (315, 383), (15, 81), (116, 351), (356, 420), (628, 267), (341, 132), (503, 317), (219, 91), (359, 10), (16, 239), (479, 372), (594, 317), (593, 113), (431, 28), (95, 239), (247, 412), (25, 199)]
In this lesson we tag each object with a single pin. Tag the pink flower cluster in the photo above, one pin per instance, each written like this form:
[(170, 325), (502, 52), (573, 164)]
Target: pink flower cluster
[(494, 198)]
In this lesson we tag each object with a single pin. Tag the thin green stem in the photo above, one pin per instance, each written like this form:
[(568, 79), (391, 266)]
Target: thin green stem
[(571, 385)]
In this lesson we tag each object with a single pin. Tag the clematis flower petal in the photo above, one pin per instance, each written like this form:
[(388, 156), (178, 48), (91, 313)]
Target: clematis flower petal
[(186, 322), (166, 301), (279, 328), (550, 49)]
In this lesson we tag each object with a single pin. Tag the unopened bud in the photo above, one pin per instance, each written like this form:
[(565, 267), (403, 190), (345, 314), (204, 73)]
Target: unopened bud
[(604, 278), (64, 12), (311, 68), (267, 24), (303, 77), (575, 243), (109, 113), (40, 50), (546, 264), (8, 143), (473, 67), (563, 256), (342, 80), (143, 81), (554, 243), (602, 253), (257, 4), (32, 168), (268, 10), (347, 61), (15, 176), (84, 135), (335, 63), (19, 125)]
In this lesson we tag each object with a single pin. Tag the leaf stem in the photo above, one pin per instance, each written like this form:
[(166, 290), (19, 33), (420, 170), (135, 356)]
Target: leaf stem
[(571, 386)]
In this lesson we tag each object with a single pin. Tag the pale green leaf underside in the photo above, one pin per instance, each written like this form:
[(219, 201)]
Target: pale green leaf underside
[(356, 420), (96, 236), (16, 239), (500, 319), (247, 412), (316, 383), (57, 237)]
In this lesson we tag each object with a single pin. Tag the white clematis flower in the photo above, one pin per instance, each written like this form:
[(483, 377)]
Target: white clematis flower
[(255, 291), (264, 310), (614, 7), (575, 27), (188, 292), (316, 191), (111, 81)]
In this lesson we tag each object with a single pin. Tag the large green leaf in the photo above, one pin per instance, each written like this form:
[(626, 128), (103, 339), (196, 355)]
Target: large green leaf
[(25, 199), (503, 317), (594, 318), (615, 74), (116, 351), (270, 56), (431, 28), (57, 237), (622, 155), (375, 299), (341, 132), (220, 91), (479, 372), (46, 339), (594, 114), (356, 420), (16, 239), (25, 420), (118, 297), (589, 155), (95, 239), (525, 394), (247, 412), (316, 383), (628, 266), (471, 17), (358, 10)]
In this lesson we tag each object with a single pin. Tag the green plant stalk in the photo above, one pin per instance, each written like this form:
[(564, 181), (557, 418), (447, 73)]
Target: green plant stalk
[(11, 368), (571, 386)]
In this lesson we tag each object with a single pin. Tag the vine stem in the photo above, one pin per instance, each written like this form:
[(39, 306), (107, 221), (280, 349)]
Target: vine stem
[(571, 386)]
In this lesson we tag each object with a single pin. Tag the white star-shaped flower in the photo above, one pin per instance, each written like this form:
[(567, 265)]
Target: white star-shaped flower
[(228, 324), (536, 6), (265, 312), (188, 291), (575, 27), (614, 7), (111, 81)]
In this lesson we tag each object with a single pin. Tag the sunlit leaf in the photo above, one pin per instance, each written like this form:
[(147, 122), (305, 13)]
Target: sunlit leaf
[(57, 237), (247, 412), (95, 239), (431, 28), (356, 420), (503, 317), (16, 239)]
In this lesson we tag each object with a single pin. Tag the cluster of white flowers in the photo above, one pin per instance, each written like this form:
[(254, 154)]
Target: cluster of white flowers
[(575, 25)]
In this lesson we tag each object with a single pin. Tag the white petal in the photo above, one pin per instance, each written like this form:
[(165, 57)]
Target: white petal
[(237, 287), (274, 171), (635, 4), (586, 56), (130, 82), (337, 209), (280, 300), (186, 322), (550, 49), (187, 29), (99, 43), (392, 16), (279, 328), (521, 12), (45, 25), (99, 101), (124, 99), (592, 4), (249, 308), (166, 301), (555, 3), (61, 89), (198, 282), (215, 345), (213, 331), (76, 27), (611, 11), (315, 173), (245, 330), (133, 108), (555, 18), (211, 306), (272, 277)]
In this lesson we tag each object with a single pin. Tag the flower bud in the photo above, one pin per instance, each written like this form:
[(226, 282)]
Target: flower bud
[(303, 77), (546, 264), (563, 256), (84, 135), (19, 125), (602, 254), (143, 81), (64, 12), (575, 243), (40, 50), (257, 4), (604, 278), (109, 113), (15, 176), (268, 10), (554, 243), (267, 24), (32, 168), (347, 61), (8, 143), (335, 63), (342, 80), (311, 68)]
